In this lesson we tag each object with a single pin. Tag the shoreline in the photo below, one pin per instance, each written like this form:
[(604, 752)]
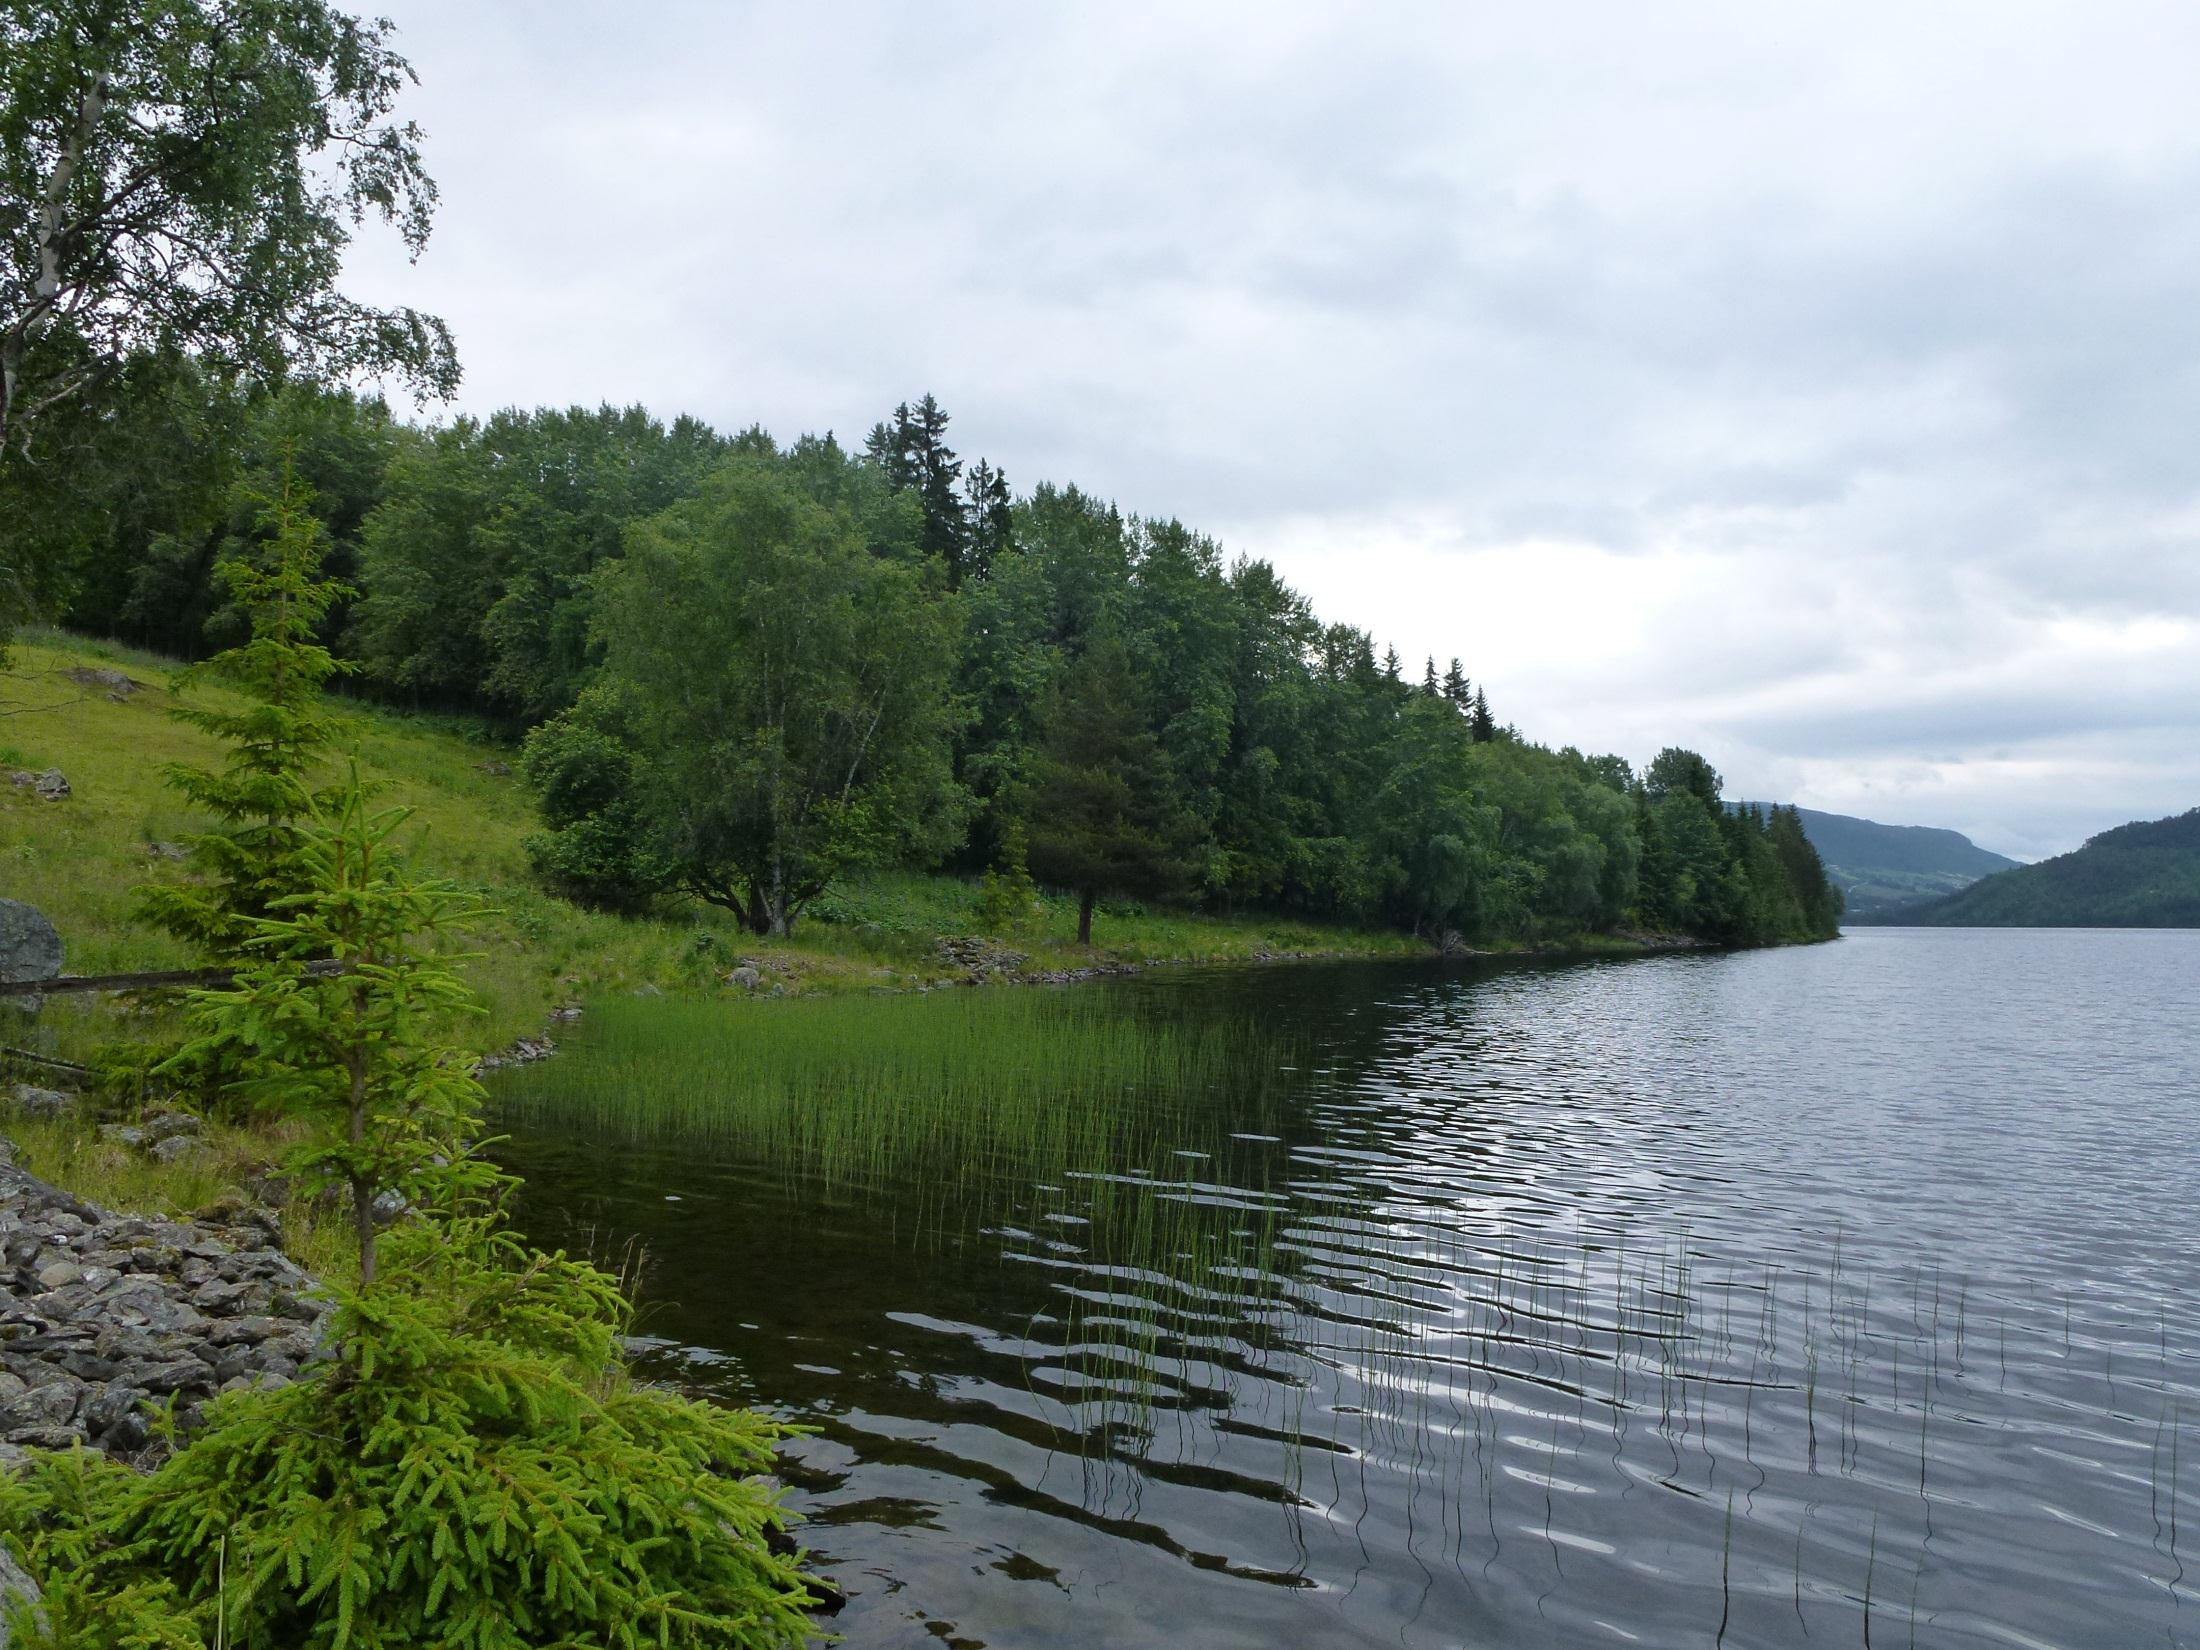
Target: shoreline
[(986, 963)]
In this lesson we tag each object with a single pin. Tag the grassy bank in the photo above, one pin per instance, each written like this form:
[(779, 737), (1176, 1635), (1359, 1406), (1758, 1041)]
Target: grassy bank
[(78, 860)]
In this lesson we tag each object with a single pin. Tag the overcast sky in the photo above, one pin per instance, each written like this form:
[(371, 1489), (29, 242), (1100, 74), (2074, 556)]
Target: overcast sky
[(1816, 386)]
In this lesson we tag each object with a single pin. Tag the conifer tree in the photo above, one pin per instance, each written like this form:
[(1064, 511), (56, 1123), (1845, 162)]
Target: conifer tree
[(1104, 813), (913, 454), (1484, 729), (354, 1047), (1428, 678), (470, 1464), (1455, 687), (260, 794), (990, 521)]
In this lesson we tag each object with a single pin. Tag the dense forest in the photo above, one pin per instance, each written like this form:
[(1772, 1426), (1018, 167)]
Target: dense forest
[(743, 668), (2142, 875)]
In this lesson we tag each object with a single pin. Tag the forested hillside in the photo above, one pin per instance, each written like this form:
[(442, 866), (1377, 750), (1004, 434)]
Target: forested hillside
[(2142, 875), (745, 669), (1877, 866)]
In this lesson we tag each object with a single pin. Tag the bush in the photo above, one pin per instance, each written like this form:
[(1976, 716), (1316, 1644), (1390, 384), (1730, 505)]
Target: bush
[(473, 1470), (596, 849)]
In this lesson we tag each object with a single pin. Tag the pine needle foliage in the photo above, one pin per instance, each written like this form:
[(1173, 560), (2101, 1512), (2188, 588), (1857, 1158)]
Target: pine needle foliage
[(358, 1047), (464, 1475), (260, 795)]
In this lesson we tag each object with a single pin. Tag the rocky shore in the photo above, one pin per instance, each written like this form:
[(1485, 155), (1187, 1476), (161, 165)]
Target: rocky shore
[(106, 1319)]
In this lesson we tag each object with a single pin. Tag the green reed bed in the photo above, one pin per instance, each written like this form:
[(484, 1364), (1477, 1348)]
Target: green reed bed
[(854, 1090)]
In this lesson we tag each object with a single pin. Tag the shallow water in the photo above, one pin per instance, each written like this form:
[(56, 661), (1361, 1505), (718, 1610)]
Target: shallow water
[(1833, 1295)]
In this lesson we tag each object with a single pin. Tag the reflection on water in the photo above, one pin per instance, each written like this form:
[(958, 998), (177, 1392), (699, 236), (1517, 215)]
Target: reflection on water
[(1831, 1295)]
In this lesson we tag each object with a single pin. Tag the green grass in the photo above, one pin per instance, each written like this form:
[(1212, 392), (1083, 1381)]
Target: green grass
[(79, 860), (1123, 1134), (68, 1153)]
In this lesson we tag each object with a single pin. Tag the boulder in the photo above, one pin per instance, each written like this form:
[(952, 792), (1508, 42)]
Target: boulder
[(119, 684), (30, 946), (27, 1100)]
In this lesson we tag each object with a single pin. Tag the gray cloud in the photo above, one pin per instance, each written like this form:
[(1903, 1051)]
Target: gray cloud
[(1816, 385)]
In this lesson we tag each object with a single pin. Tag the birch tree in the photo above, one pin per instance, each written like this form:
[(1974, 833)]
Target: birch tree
[(788, 693), (182, 177)]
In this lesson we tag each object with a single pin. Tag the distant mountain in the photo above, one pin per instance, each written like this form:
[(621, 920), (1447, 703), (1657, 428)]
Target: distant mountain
[(1880, 866), (2136, 876)]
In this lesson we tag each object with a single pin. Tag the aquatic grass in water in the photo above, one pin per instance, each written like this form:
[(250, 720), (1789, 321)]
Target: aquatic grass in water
[(1486, 1327), (853, 1090)]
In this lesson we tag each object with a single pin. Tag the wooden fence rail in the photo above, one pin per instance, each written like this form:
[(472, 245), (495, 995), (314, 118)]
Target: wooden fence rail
[(138, 982)]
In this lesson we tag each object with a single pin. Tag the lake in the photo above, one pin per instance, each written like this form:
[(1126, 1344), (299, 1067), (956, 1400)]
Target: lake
[(1842, 1294)]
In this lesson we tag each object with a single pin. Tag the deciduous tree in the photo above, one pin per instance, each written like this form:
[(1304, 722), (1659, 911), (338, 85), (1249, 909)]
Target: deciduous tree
[(183, 178), (787, 689)]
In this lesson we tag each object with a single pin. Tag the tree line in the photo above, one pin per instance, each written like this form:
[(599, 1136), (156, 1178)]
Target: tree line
[(744, 669)]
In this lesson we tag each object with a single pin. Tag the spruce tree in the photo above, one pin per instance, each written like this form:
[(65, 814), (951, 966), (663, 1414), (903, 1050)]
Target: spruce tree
[(1104, 813), (469, 1463), (1455, 687), (1428, 678), (913, 455), (260, 795), (355, 1048), (989, 521), (1484, 729)]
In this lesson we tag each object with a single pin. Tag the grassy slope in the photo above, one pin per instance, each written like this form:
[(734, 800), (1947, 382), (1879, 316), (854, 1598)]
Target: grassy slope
[(78, 860)]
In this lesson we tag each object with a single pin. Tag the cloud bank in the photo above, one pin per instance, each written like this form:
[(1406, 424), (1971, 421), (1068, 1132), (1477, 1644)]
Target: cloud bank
[(1816, 386)]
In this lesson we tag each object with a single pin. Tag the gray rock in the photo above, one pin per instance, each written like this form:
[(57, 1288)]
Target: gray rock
[(88, 1366), (129, 1434), (50, 785), (15, 1583), (177, 1148), (51, 1405), (109, 1406), (30, 946), (119, 684), (122, 1134), (105, 1318), (219, 1294), (31, 1101), (174, 1375), (168, 1125)]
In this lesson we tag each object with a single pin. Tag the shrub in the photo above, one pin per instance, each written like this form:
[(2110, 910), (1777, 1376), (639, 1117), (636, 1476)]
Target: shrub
[(473, 1470)]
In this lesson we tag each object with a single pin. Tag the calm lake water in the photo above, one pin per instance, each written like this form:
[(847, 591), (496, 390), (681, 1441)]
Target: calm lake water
[(1835, 1295)]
